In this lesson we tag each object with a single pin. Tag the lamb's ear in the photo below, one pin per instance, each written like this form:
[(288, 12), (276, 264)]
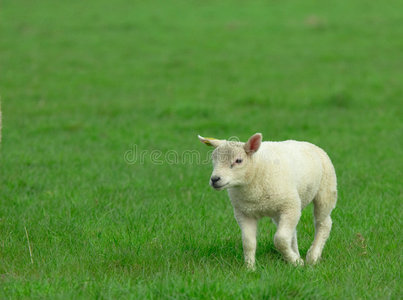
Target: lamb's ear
[(211, 141), (253, 143)]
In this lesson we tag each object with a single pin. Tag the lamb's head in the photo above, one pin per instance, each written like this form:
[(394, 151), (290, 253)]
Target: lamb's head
[(232, 161)]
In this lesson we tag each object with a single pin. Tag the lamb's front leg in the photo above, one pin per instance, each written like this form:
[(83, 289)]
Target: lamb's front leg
[(248, 227), (294, 241), (286, 232)]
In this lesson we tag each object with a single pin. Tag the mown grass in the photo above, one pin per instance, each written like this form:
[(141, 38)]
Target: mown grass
[(83, 82)]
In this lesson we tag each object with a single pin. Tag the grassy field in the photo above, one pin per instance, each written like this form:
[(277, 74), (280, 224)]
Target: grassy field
[(83, 82)]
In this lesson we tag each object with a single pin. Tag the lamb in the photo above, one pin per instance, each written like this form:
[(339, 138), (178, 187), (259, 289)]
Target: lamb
[(278, 180)]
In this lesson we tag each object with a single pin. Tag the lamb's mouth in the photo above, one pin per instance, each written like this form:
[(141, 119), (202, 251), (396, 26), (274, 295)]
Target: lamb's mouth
[(219, 188)]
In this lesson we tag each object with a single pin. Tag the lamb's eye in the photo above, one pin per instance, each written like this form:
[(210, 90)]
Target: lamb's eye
[(238, 161)]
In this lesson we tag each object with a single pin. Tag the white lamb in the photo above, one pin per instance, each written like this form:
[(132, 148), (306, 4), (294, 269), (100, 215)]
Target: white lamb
[(278, 180)]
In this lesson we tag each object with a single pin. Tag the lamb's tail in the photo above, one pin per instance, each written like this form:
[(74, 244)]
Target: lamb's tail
[(326, 198)]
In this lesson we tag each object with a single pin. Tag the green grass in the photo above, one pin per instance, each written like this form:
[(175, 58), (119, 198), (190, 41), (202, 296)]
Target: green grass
[(83, 81)]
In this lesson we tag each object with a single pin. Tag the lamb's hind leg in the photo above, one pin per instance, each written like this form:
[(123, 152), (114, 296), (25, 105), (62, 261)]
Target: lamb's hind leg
[(324, 203), (294, 243)]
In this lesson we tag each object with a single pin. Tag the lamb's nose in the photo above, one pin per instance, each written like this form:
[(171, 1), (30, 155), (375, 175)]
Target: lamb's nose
[(214, 179)]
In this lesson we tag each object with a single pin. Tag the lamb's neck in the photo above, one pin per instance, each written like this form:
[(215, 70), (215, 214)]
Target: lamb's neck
[(258, 171)]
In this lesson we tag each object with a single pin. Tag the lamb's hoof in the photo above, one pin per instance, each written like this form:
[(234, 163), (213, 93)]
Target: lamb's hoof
[(312, 259), (298, 262), (250, 267)]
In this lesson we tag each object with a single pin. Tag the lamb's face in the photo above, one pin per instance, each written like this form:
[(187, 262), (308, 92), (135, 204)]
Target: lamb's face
[(230, 163)]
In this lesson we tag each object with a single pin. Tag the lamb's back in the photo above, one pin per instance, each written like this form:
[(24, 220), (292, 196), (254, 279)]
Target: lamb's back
[(293, 165)]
